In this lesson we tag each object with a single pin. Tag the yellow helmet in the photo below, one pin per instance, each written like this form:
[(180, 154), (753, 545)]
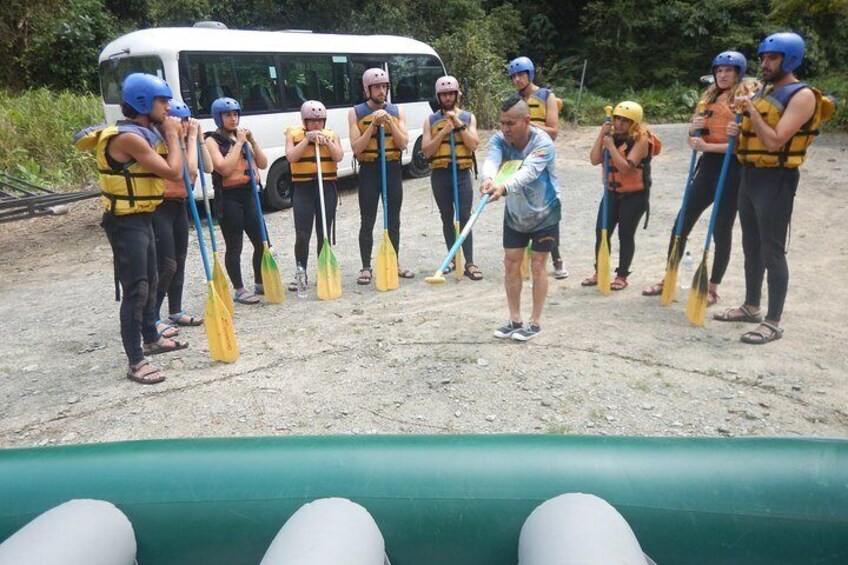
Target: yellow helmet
[(630, 110)]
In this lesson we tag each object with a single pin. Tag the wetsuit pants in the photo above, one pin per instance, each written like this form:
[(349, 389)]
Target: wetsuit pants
[(239, 216), (766, 198), (307, 210), (370, 192), (442, 182), (625, 211), (170, 224)]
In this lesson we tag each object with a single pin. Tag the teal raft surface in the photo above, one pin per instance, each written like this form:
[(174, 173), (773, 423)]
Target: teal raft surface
[(452, 500)]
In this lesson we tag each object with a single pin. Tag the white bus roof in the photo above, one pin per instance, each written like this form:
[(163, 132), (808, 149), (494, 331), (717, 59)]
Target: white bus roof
[(175, 39)]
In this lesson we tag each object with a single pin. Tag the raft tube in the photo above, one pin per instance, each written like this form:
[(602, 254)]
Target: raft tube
[(451, 500)]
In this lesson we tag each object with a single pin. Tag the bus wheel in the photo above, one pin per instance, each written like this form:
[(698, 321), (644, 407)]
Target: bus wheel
[(278, 193), (420, 165)]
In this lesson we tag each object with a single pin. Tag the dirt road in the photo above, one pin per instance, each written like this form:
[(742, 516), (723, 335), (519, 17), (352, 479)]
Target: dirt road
[(422, 359)]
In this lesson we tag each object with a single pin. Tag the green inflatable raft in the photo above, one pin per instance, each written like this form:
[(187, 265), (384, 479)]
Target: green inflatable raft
[(452, 500)]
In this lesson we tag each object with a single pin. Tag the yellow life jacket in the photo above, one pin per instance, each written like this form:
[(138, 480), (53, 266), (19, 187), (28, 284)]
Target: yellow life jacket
[(305, 169), (441, 159), (364, 117), (240, 175), (538, 104), (771, 103), (127, 188)]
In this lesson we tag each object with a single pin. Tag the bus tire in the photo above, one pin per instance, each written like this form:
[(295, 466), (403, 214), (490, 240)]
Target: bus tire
[(420, 165), (278, 193)]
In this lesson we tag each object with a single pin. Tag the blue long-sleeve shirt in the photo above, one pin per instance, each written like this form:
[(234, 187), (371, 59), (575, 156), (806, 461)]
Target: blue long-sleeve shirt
[(532, 194)]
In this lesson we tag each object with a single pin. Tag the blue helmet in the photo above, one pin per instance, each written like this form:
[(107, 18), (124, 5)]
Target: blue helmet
[(522, 65), (139, 90), (222, 105), (732, 59), (178, 109), (788, 44)]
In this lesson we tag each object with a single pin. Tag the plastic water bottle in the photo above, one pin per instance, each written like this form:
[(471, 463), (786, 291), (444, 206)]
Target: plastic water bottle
[(302, 291), (686, 271)]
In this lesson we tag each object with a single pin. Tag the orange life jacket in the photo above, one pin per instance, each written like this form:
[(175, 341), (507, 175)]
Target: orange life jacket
[(638, 178), (716, 117), (240, 175)]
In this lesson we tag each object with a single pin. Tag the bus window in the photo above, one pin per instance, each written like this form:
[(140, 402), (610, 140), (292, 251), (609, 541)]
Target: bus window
[(114, 71), (250, 79), (358, 65), (413, 77), (318, 77)]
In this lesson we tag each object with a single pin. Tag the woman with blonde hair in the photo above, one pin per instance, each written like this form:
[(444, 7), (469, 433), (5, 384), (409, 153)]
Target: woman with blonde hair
[(707, 134)]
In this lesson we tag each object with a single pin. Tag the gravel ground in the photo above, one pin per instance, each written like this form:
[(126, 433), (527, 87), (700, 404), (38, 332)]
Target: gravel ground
[(422, 359)]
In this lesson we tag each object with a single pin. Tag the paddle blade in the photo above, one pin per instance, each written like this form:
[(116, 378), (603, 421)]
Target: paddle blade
[(458, 258), (386, 275), (525, 262), (271, 281), (696, 306), (508, 168), (219, 329), (329, 274), (437, 278), (670, 280), (604, 264), (222, 285)]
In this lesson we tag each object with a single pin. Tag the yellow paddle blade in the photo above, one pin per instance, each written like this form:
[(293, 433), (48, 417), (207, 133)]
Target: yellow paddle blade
[(222, 285), (670, 280), (458, 257), (219, 329), (525, 261), (271, 281), (604, 264), (696, 306), (437, 278), (329, 274), (386, 273)]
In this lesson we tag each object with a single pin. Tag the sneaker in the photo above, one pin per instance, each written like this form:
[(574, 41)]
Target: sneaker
[(509, 329), (559, 271), (526, 333)]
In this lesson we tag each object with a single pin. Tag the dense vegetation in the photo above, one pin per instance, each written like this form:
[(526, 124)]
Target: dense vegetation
[(651, 50)]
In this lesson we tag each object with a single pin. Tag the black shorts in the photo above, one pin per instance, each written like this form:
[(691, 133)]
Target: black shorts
[(544, 240)]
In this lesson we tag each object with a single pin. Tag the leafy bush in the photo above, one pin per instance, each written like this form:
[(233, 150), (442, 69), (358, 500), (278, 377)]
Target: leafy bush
[(35, 135)]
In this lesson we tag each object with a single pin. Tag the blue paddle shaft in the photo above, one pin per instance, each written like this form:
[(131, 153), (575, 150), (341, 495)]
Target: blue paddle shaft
[(205, 190), (196, 217), (469, 225), (384, 186), (255, 192), (455, 178), (728, 155)]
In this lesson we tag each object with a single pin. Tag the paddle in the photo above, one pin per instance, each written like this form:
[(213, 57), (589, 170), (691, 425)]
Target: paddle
[(696, 307), (219, 277), (386, 275), (329, 275), (458, 261), (216, 318), (603, 258), (506, 171), (271, 281), (674, 257)]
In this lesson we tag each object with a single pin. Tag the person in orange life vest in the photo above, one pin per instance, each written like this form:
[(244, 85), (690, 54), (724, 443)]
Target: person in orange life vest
[(301, 144), (170, 224), (137, 146), (544, 114), (234, 200), (780, 121), (364, 121), (438, 127), (728, 71), (628, 142)]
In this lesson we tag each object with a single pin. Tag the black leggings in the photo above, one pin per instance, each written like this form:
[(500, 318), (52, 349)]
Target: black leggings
[(239, 216), (442, 183), (134, 250), (370, 192), (307, 209), (701, 195), (170, 225), (766, 198), (625, 210)]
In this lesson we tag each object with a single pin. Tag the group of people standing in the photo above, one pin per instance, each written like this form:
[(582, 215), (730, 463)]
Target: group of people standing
[(142, 159)]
